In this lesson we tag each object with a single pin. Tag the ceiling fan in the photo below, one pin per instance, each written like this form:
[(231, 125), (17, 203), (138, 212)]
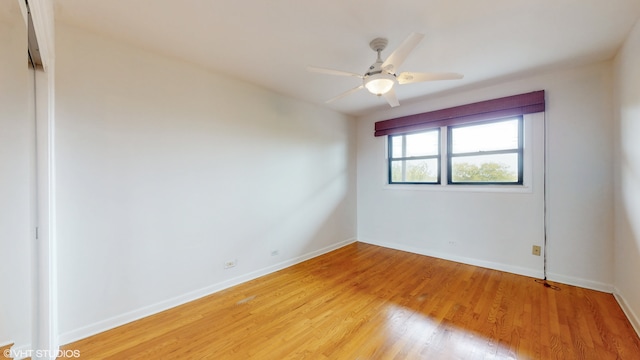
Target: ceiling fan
[(381, 76)]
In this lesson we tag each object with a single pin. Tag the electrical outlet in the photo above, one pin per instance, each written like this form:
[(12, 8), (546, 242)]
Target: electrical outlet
[(231, 263), (536, 250)]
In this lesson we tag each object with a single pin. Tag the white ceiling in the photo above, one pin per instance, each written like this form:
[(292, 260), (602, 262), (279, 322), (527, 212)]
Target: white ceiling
[(271, 42)]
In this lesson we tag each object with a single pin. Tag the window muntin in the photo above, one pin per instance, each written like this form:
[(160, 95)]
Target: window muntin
[(486, 153), (415, 158)]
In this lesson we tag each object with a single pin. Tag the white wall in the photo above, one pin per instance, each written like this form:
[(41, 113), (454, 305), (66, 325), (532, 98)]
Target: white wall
[(497, 230), (165, 171), (627, 194), (16, 178)]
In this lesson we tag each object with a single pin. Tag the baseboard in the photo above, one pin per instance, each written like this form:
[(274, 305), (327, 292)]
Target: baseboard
[(110, 323), (580, 282), (634, 319), (470, 261)]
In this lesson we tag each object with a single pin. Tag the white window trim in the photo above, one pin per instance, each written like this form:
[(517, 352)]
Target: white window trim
[(533, 141)]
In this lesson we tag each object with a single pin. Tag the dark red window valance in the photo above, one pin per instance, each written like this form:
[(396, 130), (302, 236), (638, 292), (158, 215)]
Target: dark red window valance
[(515, 105)]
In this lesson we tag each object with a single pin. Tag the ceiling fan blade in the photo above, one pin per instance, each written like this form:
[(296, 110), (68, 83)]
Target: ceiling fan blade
[(346, 93), (332, 72), (398, 56), (411, 77), (391, 98)]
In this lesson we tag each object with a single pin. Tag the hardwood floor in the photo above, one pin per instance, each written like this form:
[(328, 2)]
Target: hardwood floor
[(5, 350), (368, 302)]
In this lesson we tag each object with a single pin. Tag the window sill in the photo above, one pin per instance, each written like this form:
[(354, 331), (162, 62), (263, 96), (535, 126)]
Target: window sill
[(461, 188)]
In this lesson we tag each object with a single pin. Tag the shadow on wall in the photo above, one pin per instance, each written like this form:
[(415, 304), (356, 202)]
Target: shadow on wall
[(628, 241)]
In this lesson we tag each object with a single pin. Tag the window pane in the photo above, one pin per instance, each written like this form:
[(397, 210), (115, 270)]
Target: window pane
[(396, 146), (423, 170), (501, 135), (412, 145), (485, 168), (423, 144)]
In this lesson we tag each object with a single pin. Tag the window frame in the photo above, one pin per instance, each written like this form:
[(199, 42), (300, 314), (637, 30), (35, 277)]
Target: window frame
[(391, 159), (519, 151), (533, 138)]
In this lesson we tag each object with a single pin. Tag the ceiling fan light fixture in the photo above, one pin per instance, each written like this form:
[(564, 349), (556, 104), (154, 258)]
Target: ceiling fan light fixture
[(379, 84)]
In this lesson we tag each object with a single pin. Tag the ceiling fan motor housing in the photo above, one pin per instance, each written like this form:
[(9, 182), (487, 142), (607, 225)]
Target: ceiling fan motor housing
[(378, 80)]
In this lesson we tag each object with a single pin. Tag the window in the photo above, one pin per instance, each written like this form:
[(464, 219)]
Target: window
[(415, 158), (479, 143), (486, 153), (480, 153)]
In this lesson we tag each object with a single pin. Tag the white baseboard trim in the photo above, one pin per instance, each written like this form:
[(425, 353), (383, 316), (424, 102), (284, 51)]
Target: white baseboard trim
[(470, 261), (634, 319), (580, 282), (110, 323)]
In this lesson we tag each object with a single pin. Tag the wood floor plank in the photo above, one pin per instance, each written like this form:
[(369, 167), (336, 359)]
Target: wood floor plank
[(369, 302)]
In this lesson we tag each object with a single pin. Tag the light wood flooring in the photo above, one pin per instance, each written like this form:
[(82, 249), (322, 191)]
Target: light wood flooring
[(5, 350), (369, 302)]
